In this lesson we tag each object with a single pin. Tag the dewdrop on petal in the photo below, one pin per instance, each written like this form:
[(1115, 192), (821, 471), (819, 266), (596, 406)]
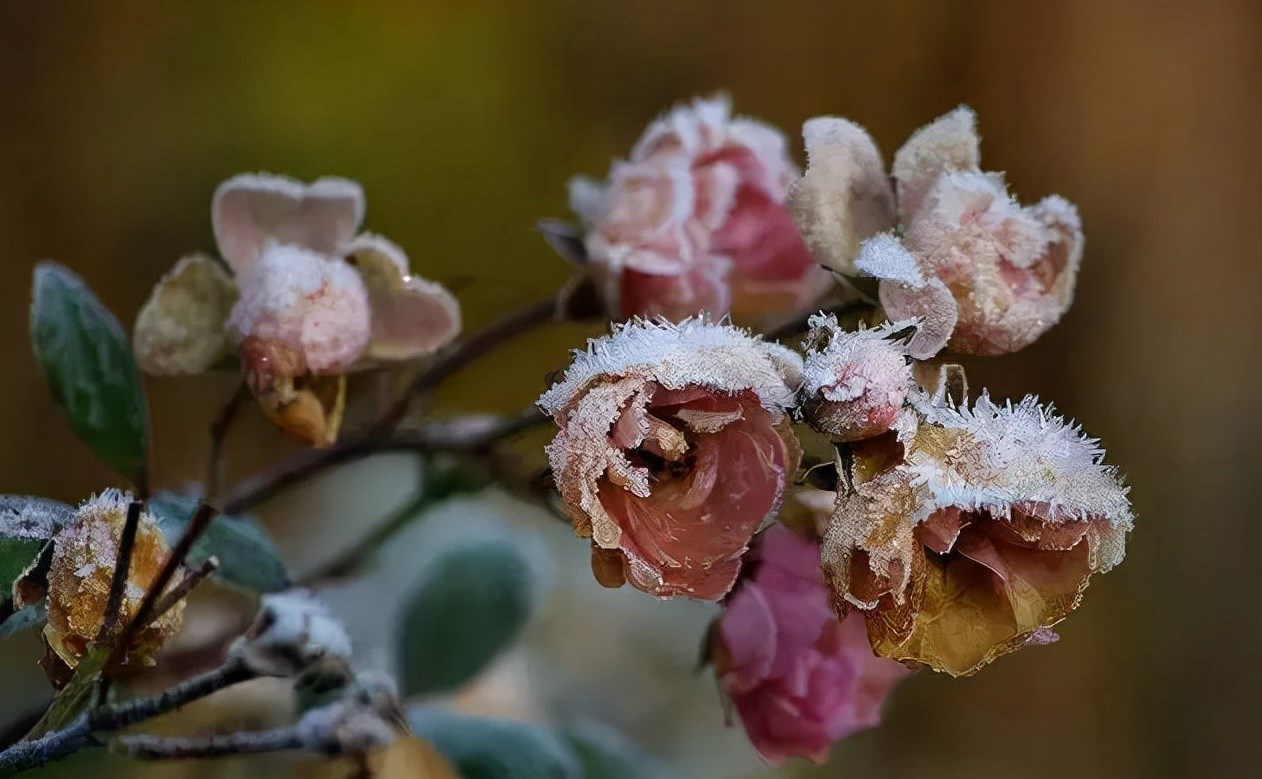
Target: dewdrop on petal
[(85, 554), (974, 533), (854, 383), (292, 631), (673, 448)]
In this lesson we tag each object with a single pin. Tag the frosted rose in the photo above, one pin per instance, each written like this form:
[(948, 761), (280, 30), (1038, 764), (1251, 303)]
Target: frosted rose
[(972, 531), (799, 679), (85, 554), (984, 274), (853, 384), (695, 221), (310, 300), (674, 447)]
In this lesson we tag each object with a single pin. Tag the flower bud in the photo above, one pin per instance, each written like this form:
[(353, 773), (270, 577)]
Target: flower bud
[(673, 448), (291, 632), (853, 384), (84, 558)]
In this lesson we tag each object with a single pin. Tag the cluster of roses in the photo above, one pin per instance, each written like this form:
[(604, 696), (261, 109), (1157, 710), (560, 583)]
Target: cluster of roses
[(956, 532)]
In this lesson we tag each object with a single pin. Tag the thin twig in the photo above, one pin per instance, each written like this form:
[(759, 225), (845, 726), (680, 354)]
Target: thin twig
[(503, 329), (150, 747), (181, 590), (122, 569), (196, 527), (121, 715), (26, 755), (309, 463), (218, 435)]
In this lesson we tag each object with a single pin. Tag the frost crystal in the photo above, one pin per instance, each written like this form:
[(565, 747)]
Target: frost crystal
[(975, 532), (854, 384)]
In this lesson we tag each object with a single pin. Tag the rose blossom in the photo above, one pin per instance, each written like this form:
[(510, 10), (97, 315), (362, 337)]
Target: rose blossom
[(799, 679), (310, 300), (986, 275), (853, 384), (972, 531), (695, 221), (673, 448)]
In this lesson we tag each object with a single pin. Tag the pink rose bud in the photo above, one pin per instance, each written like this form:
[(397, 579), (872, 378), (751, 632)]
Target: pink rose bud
[(695, 221), (799, 679), (986, 275), (854, 384), (308, 300), (674, 447)]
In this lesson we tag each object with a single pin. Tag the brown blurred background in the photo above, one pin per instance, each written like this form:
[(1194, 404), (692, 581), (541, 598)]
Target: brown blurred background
[(464, 120)]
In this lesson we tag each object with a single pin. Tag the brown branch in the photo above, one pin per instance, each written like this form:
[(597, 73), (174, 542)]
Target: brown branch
[(181, 591), (122, 569), (218, 435), (196, 527), (485, 340), (310, 463)]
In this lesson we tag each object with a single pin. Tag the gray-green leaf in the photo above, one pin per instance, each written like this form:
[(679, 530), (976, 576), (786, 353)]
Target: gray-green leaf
[(469, 606), (607, 754), (483, 748), (90, 369), (247, 557), (29, 617), (25, 524)]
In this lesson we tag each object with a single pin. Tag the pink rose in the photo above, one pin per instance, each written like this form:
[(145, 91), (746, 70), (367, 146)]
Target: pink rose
[(304, 299), (673, 448), (799, 679), (695, 221), (984, 274)]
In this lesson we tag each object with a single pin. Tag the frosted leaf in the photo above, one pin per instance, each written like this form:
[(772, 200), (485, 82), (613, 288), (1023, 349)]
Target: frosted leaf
[(845, 195), (948, 143), (252, 210), (181, 331), (411, 317)]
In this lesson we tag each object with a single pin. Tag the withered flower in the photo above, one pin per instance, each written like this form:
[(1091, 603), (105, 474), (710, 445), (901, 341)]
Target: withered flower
[(84, 558), (307, 300), (854, 383), (674, 447), (972, 531)]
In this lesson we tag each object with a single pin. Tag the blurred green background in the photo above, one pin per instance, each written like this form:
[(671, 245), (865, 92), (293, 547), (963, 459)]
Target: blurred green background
[(464, 120)]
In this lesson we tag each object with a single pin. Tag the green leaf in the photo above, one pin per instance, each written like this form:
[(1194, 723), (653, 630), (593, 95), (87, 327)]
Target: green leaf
[(470, 604), (90, 369), (25, 524), (76, 696), (482, 748), (606, 754), (247, 557), (29, 617)]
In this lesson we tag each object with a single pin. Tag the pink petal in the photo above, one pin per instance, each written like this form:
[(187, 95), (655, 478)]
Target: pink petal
[(251, 210), (411, 317)]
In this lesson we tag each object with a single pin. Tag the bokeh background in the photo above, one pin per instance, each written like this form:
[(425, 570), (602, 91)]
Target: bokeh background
[(464, 120)]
